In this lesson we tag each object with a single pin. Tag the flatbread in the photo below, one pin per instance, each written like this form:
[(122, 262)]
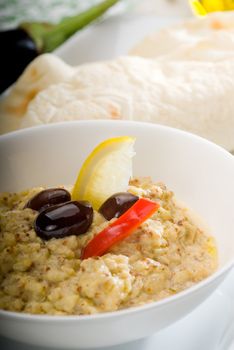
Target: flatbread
[(193, 96), (44, 71), (205, 39), (184, 81)]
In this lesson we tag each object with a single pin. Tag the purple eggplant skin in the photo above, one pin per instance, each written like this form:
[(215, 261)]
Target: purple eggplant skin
[(17, 51), (21, 45)]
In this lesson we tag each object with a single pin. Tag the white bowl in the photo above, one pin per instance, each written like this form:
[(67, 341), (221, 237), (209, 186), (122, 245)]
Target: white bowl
[(200, 173)]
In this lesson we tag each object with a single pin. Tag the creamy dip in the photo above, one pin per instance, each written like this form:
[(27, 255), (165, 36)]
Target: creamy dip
[(165, 255)]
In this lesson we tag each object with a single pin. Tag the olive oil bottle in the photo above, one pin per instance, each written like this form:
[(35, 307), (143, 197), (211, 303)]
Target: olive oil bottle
[(202, 7)]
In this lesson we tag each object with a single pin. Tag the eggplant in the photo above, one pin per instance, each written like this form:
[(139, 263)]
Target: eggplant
[(21, 45)]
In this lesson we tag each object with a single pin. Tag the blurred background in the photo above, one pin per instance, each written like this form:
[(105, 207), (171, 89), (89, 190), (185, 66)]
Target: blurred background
[(13, 12)]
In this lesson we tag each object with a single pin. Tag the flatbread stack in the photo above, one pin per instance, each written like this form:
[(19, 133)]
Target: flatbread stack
[(184, 80), (206, 39)]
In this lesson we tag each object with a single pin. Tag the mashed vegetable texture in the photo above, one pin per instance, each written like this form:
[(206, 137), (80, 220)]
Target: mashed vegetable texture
[(165, 255)]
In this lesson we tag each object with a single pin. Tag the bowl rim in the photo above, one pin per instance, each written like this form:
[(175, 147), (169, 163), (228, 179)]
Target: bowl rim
[(139, 124), (135, 309)]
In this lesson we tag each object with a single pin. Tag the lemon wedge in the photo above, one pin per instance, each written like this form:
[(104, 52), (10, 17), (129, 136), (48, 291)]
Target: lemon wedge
[(106, 171)]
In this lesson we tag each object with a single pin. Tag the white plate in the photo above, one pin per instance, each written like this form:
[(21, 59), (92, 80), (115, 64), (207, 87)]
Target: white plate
[(111, 38), (211, 325)]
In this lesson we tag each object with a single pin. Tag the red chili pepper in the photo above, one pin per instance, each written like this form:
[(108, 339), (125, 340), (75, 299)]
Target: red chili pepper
[(121, 228)]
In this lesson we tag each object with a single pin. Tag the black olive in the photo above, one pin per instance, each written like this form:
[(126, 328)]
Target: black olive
[(117, 204), (71, 218), (47, 198)]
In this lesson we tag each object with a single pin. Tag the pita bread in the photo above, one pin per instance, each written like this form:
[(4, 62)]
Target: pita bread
[(44, 71), (206, 39), (186, 82), (193, 96)]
